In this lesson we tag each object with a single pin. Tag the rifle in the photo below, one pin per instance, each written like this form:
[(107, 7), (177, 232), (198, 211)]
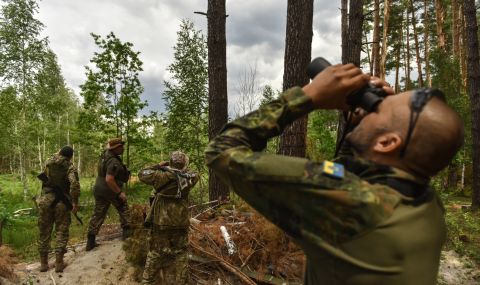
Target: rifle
[(59, 196)]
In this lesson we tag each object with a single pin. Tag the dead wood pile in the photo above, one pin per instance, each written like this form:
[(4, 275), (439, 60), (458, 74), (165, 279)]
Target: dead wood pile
[(261, 253), (7, 261)]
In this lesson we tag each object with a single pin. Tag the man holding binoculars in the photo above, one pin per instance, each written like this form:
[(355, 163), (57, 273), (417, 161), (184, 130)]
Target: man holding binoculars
[(370, 218)]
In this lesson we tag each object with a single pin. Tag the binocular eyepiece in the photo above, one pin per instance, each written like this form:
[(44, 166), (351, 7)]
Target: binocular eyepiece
[(366, 98)]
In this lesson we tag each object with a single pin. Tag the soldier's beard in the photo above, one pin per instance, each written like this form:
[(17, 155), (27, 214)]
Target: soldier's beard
[(361, 141)]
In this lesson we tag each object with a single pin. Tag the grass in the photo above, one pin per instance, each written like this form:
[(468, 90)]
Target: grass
[(463, 227), (21, 233)]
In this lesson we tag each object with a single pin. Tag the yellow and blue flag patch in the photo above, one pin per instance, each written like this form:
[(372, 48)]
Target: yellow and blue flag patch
[(332, 169)]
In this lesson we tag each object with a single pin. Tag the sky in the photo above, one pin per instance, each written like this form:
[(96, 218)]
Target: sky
[(255, 32)]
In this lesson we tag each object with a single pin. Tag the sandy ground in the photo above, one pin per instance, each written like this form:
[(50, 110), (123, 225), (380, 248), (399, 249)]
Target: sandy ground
[(106, 265), (457, 270)]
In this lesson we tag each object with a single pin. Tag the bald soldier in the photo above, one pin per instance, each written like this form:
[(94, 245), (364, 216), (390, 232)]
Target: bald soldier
[(370, 218)]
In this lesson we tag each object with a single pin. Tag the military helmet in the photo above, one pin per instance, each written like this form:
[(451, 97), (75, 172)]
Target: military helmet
[(178, 160), (66, 151)]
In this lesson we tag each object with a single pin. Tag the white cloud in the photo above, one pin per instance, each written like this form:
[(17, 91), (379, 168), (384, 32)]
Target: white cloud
[(255, 35)]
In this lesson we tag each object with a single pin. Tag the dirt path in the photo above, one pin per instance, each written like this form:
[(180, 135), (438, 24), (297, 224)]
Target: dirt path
[(103, 265), (106, 265)]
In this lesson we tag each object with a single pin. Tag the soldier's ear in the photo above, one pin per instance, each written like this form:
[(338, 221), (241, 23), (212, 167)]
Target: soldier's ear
[(387, 143)]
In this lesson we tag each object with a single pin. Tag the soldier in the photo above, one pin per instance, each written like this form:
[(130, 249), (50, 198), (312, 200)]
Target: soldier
[(169, 219), (60, 192), (370, 218), (112, 174)]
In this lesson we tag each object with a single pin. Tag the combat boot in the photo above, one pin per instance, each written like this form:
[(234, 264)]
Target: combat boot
[(59, 264), (126, 233), (91, 244), (43, 262)]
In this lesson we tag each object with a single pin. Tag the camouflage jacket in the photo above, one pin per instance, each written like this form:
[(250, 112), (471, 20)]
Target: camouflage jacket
[(169, 209), (62, 173), (338, 212)]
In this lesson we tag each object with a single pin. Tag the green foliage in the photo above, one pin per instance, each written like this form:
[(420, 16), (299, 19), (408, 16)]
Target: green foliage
[(112, 95), (322, 134), (186, 96), (463, 228)]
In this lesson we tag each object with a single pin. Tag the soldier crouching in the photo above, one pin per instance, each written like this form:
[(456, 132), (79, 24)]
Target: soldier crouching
[(168, 219)]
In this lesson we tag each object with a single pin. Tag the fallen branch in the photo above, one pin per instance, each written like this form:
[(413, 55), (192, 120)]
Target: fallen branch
[(209, 208), (203, 204), (53, 279), (242, 276)]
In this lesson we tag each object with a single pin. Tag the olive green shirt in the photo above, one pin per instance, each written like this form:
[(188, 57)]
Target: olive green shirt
[(111, 164), (353, 223)]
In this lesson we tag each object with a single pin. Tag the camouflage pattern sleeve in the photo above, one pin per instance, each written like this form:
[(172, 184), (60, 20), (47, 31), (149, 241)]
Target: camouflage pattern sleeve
[(74, 180), (154, 177), (295, 193)]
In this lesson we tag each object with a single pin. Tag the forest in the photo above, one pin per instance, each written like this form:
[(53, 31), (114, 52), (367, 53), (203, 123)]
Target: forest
[(408, 43)]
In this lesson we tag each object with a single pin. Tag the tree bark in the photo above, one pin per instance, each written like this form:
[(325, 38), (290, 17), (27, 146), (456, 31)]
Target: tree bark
[(298, 50), (217, 85), (376, 39), (386, 19), (417, 45), (352, 27), (407, 53), (426, 23), (344, 12), (456, 28), (473, 71), (440, 16)]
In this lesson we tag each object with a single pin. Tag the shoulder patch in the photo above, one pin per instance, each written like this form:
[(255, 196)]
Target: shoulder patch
[(147, 172), (332, 169)]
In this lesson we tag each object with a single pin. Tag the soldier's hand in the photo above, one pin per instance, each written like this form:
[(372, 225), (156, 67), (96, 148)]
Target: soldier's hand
[(380, 83), (330, 88), (74, 208), (164, 163), (359, 113), (122, 197)]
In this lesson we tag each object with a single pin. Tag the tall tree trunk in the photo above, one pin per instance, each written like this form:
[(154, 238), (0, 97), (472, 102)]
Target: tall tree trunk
[(386, 20), (463, 46), (473, 70), (355, 26), (217, 85), (376, 39), (417, 45), (456, 28), (298, 50), (407, 63), (440, 16), (344, 12), (351, 45), (426, 23)]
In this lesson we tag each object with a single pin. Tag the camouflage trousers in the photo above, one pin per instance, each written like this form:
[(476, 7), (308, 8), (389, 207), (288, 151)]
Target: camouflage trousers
[(100, 212), (167, 260), (57, 216)]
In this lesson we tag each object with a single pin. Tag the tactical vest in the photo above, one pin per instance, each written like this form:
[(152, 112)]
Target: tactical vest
[(56, 170)]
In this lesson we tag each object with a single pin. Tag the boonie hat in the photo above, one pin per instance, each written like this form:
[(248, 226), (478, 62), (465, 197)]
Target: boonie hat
[(114, 143)]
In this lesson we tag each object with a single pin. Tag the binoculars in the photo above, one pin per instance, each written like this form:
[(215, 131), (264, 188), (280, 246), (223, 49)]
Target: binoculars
[(366, 98)]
